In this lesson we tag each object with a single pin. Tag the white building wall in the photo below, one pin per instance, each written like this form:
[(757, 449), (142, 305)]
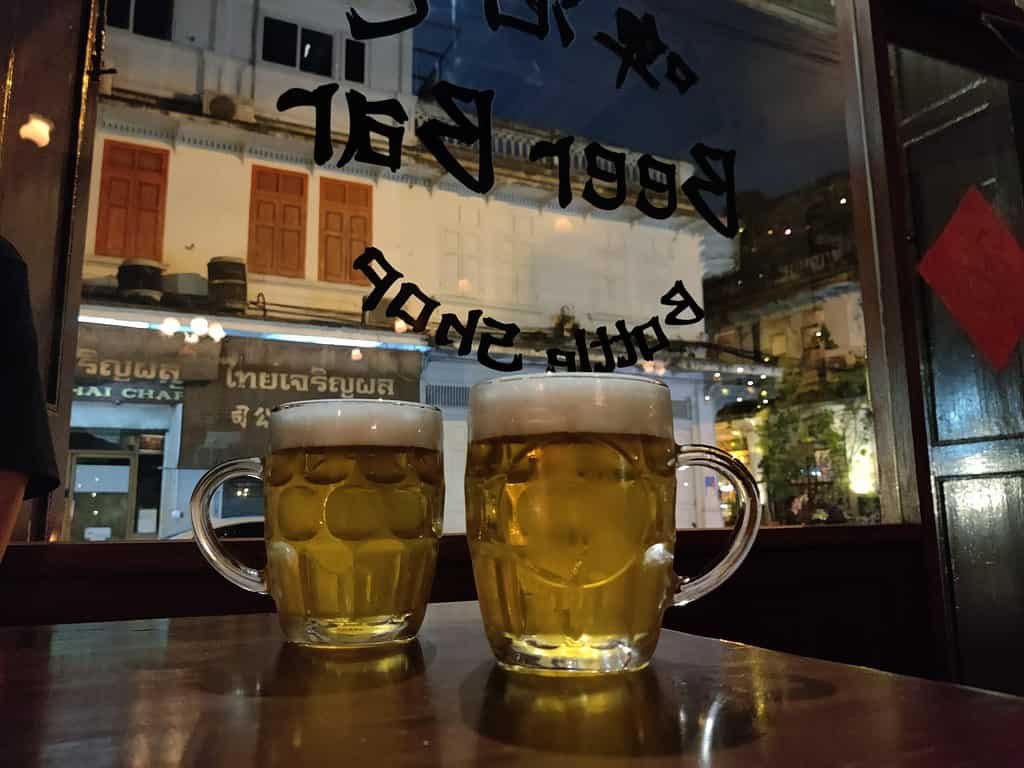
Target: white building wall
[(519, 263), (211, 53)]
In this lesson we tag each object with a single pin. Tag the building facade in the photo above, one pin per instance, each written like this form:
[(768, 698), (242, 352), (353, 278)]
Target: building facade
[(194, 162)]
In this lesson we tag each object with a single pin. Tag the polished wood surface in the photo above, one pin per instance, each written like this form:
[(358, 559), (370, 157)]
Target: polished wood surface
[(227, 691)]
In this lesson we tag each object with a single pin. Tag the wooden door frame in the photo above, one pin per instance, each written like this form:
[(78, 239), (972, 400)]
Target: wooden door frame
[(75, 455), (64, 286), (888, 253)]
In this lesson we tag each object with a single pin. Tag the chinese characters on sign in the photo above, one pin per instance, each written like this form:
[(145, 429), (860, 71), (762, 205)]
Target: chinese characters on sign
[(638, 46), (621, 350)]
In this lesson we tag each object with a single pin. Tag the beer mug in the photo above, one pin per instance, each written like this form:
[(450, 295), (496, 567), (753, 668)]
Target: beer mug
[(570, 516), (354, 498)]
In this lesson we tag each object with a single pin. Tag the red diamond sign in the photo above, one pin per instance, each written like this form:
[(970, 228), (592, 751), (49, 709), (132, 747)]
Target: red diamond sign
[(976, 267)]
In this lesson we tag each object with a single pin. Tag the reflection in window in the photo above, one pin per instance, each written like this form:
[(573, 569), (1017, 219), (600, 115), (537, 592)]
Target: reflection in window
[(317, 53), (279, 41), (287, 44), (253, 235), (151, 18), (355, 61)]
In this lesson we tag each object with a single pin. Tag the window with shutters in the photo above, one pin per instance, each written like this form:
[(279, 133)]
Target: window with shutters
[(346, 229), (277, 222), (133, 201)]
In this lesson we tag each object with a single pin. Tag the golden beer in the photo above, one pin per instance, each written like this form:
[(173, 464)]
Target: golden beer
[(570, 517), (562, 530), (352, 538), (354, 502)]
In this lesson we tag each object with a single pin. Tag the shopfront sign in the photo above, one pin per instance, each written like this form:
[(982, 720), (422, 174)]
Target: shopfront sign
[(229, 416), (159, 392), (127, 365)]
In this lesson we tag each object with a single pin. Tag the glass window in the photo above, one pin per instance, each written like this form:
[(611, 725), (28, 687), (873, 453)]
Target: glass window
[(355, 61), (153, 18), (119, 13), (317, 53), (279, 41), (222, 230)]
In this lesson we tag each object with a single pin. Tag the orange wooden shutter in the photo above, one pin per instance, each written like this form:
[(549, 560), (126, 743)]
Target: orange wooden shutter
[(133, 201), (277, 222), (346, 229)]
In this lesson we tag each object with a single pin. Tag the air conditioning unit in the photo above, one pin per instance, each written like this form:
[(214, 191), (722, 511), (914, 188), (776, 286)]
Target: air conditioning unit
[(223, 106)]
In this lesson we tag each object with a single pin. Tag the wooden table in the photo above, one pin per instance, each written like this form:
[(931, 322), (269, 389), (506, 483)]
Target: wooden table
[(226, 691)]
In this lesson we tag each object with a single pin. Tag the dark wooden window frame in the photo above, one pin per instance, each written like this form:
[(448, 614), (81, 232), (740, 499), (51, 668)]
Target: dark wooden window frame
[(960, 32)]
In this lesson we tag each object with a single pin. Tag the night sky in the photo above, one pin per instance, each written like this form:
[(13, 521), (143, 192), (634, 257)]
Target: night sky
[(769, 89)]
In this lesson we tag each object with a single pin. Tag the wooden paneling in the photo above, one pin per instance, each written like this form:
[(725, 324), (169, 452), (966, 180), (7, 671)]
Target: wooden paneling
[(985, 520), (277, 222), (941, 129), (133, 201), (856, 595), (346, 229)]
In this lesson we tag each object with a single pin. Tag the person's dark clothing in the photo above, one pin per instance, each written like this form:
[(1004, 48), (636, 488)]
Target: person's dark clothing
[(25, 442)]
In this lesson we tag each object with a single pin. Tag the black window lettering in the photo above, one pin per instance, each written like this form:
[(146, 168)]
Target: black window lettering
[(450, 322), (595, 153), (565, 30), (725, 184), (412, 291), (680, 74), (648, 165), (583, 352), (368, 262), (572, 361), (560, 150), (638, 46), (506, 339), (625, 338), (606, 344), (646, 349), (464, 131), (497, 18), (365, 30), (559, 358), (681, 299), (360, 144), (320, 100)]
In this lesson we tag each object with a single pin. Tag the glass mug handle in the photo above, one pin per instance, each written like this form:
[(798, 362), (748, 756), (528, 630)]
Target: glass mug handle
[(228, 566), (746, 528)]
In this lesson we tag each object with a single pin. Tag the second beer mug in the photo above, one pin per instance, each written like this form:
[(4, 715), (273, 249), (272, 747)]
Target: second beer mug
[(354, 497), (570, 515)]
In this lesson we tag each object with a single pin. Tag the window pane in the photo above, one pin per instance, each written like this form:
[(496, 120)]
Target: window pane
[(769, 361), (355, 61), (119, 13), (317, 53), (279, 38), (153, 18)]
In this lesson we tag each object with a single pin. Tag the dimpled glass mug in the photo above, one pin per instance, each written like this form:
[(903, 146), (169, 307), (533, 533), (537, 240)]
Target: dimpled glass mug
[(570, 515), (354, 497)]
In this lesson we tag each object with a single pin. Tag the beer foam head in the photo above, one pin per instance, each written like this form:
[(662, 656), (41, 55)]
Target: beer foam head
[(327, 423), (570, 402)]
